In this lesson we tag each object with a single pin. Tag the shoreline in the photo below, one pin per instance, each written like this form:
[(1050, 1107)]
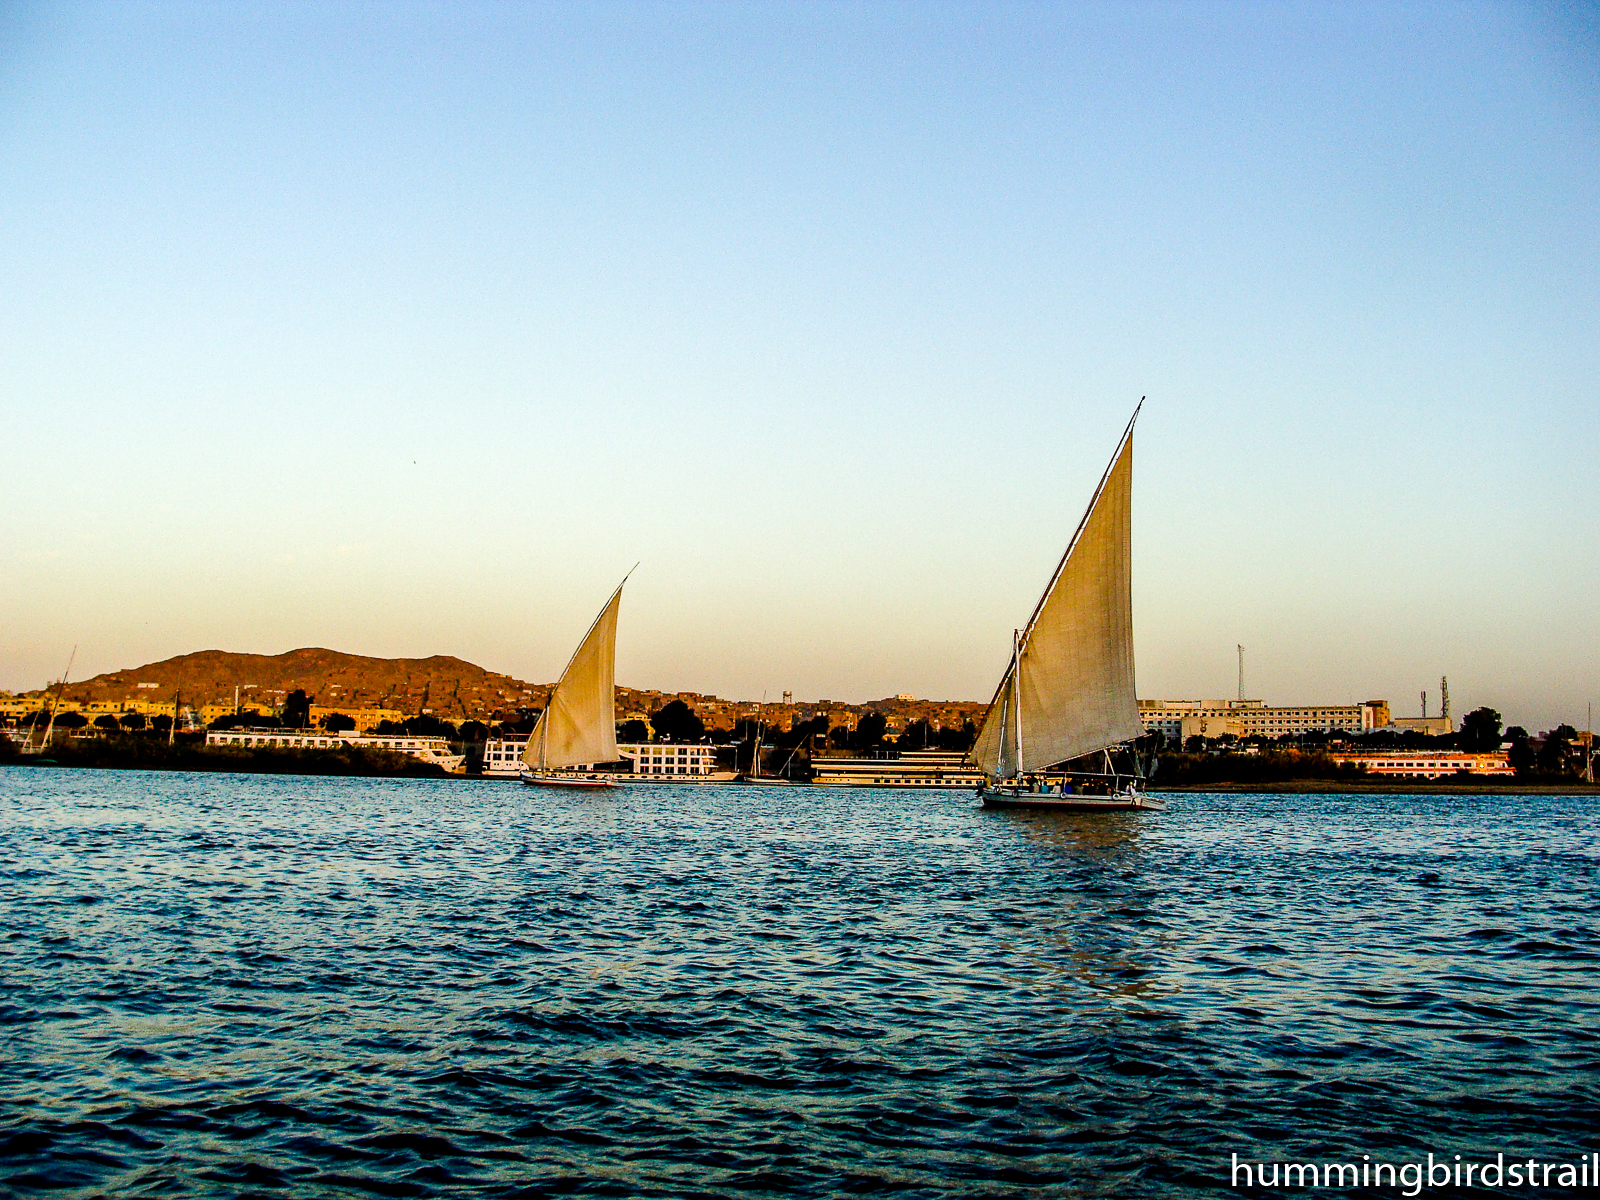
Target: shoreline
[(1329, 787), (378, 765)]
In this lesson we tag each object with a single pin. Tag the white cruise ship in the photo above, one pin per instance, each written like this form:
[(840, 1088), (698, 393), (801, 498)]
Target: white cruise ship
[(909, 769), (433, 750), (648, 762)]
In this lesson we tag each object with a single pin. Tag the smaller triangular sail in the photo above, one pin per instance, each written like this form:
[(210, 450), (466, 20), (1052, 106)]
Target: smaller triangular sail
[(1002, 724), (1074, 667), (579, 722)]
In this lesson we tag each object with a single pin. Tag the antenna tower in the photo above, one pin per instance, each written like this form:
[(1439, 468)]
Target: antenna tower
[(1444, 696), (1240, 649), (1424, 702)]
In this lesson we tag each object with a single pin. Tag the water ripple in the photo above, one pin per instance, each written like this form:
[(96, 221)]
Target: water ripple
[(235, 985)]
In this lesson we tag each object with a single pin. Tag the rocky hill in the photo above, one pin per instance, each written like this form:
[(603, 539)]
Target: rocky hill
[(450, 687)]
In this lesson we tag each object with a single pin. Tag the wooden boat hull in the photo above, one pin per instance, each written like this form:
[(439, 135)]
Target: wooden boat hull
[(1124, 802), (567, 781)]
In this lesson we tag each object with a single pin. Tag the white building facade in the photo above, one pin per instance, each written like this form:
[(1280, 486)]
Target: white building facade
[(1180, 720)]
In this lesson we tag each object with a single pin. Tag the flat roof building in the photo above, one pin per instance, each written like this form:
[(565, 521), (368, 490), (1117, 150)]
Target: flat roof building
[(1183, 719)]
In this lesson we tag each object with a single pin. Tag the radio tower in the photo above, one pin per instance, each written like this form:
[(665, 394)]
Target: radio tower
[(1241, 669), (1444, 697)]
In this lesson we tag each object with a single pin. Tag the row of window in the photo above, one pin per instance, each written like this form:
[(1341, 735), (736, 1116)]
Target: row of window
[(236, 739)]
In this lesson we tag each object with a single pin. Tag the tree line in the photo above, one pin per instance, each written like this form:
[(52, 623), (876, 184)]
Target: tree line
[(674, 722)]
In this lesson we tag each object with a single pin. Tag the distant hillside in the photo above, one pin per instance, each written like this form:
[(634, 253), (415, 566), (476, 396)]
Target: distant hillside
[(451, 687)]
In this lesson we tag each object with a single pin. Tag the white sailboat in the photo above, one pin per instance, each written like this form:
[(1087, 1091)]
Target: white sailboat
[(754, 775), (1068, 691), (578, 728), (28, 747)]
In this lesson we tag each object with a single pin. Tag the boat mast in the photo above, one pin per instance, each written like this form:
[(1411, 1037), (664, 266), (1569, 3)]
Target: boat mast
[(1005, 716), (544, 724), (1016, 691), (50, 728)]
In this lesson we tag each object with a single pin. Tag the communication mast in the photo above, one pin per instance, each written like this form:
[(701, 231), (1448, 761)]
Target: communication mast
[(1444, 696), (1241, 669)]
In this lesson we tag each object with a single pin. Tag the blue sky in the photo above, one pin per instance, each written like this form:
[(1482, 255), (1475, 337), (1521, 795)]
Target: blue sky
[(407, 329)]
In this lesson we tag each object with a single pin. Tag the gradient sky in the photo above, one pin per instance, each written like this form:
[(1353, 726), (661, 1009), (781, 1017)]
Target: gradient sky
[(408, 329)]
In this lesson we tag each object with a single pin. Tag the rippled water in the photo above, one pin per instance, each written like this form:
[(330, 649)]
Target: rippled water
[(233, 985)]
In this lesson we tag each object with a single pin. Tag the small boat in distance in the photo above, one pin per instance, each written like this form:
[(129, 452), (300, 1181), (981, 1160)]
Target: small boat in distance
[(1068, 692), (754, 776), (578, 727), (27, 747)]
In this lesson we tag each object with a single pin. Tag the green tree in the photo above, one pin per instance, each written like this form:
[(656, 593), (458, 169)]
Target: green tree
[(520, 725), (73, 720), (107, 722), (958, 739), (132, 722), (1558, 750), (634, 731), (338, 722), (869, 730), (1480, 730), (249, 720), (676, 722), (916, 736), (427, 725), (161, 723), (1520, 754), (297, 710)]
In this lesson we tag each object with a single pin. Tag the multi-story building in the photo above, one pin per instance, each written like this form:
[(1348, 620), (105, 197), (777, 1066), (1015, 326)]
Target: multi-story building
[(365, 718), (1180, 720), (1432, 726)]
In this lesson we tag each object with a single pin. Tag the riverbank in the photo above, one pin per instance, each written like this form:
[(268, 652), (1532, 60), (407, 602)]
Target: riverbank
[(144, 754), (1328, 787)]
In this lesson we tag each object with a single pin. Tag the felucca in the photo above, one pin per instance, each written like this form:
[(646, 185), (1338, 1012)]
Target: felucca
[(578, 727), (1067, 693)]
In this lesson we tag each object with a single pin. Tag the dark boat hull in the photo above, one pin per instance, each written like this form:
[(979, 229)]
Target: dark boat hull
[(1126, 802), (575, 781)]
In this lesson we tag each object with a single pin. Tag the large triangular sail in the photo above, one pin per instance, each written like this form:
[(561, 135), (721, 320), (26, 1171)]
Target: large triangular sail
[(579, 723), (1068, 690)]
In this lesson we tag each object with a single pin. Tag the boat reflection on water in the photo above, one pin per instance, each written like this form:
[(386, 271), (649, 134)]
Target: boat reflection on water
[(1103, 932), (1075, 831)]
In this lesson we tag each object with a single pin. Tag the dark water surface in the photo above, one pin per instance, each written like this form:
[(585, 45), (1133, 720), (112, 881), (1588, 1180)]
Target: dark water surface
[(233, 985)]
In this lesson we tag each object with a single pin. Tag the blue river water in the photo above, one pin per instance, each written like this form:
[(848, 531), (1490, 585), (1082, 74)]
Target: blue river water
[(224, 985)]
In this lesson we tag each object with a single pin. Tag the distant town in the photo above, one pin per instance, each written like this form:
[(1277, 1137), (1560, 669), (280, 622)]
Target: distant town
[(457, 714)]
